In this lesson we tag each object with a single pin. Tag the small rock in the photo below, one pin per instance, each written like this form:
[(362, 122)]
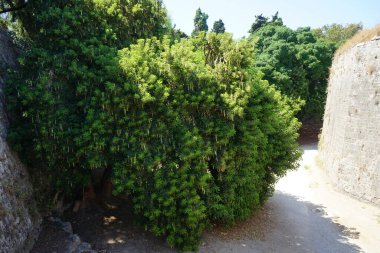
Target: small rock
[(75, 239), (73, 244), (84, 247), (66, 226)]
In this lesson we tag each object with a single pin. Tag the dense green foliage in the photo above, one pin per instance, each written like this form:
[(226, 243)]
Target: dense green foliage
[(191, 131), (218, 27), (200, 136), (337, 33), (68, 62), (297, 62), (200, 22)]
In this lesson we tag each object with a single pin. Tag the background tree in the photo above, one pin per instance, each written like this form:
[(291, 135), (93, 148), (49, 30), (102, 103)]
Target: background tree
[(260, 21), (177, 34), (218, 27), (200, 22), (337, 33), (297, 62), (276, 19)]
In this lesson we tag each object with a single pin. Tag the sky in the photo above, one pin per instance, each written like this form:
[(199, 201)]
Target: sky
[(238, 15)]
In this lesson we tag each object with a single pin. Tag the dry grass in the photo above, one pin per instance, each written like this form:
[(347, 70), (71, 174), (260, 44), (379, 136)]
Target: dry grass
[(363, 36)]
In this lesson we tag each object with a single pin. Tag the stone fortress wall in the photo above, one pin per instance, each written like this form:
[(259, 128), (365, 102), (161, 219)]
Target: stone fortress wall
[(19, 218), (350, 141)]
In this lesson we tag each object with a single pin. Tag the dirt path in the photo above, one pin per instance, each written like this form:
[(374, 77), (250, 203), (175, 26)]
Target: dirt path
[(360, 222), (304, 215), (307, 215)]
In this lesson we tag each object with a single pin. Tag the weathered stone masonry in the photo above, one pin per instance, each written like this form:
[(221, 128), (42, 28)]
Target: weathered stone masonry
[(350, 141), (19, 219)]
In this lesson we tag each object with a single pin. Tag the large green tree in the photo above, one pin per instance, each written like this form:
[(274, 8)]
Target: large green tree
[(200, 22), (70, 58), (297, 62)]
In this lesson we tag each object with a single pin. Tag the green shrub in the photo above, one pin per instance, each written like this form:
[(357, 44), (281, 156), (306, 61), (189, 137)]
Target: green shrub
[(192, 132), (200, 136)]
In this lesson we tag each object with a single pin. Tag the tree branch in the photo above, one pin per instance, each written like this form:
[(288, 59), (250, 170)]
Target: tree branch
[(5, 10)]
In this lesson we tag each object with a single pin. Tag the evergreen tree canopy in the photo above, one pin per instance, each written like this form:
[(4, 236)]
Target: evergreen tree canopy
[(276, 19), (200, 22), (200, 136), (218, 27), (297, 62), (260, 21)]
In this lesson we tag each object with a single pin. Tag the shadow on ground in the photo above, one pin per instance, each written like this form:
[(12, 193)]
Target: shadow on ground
[(114, 229), (284, 224), (293, 226)]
